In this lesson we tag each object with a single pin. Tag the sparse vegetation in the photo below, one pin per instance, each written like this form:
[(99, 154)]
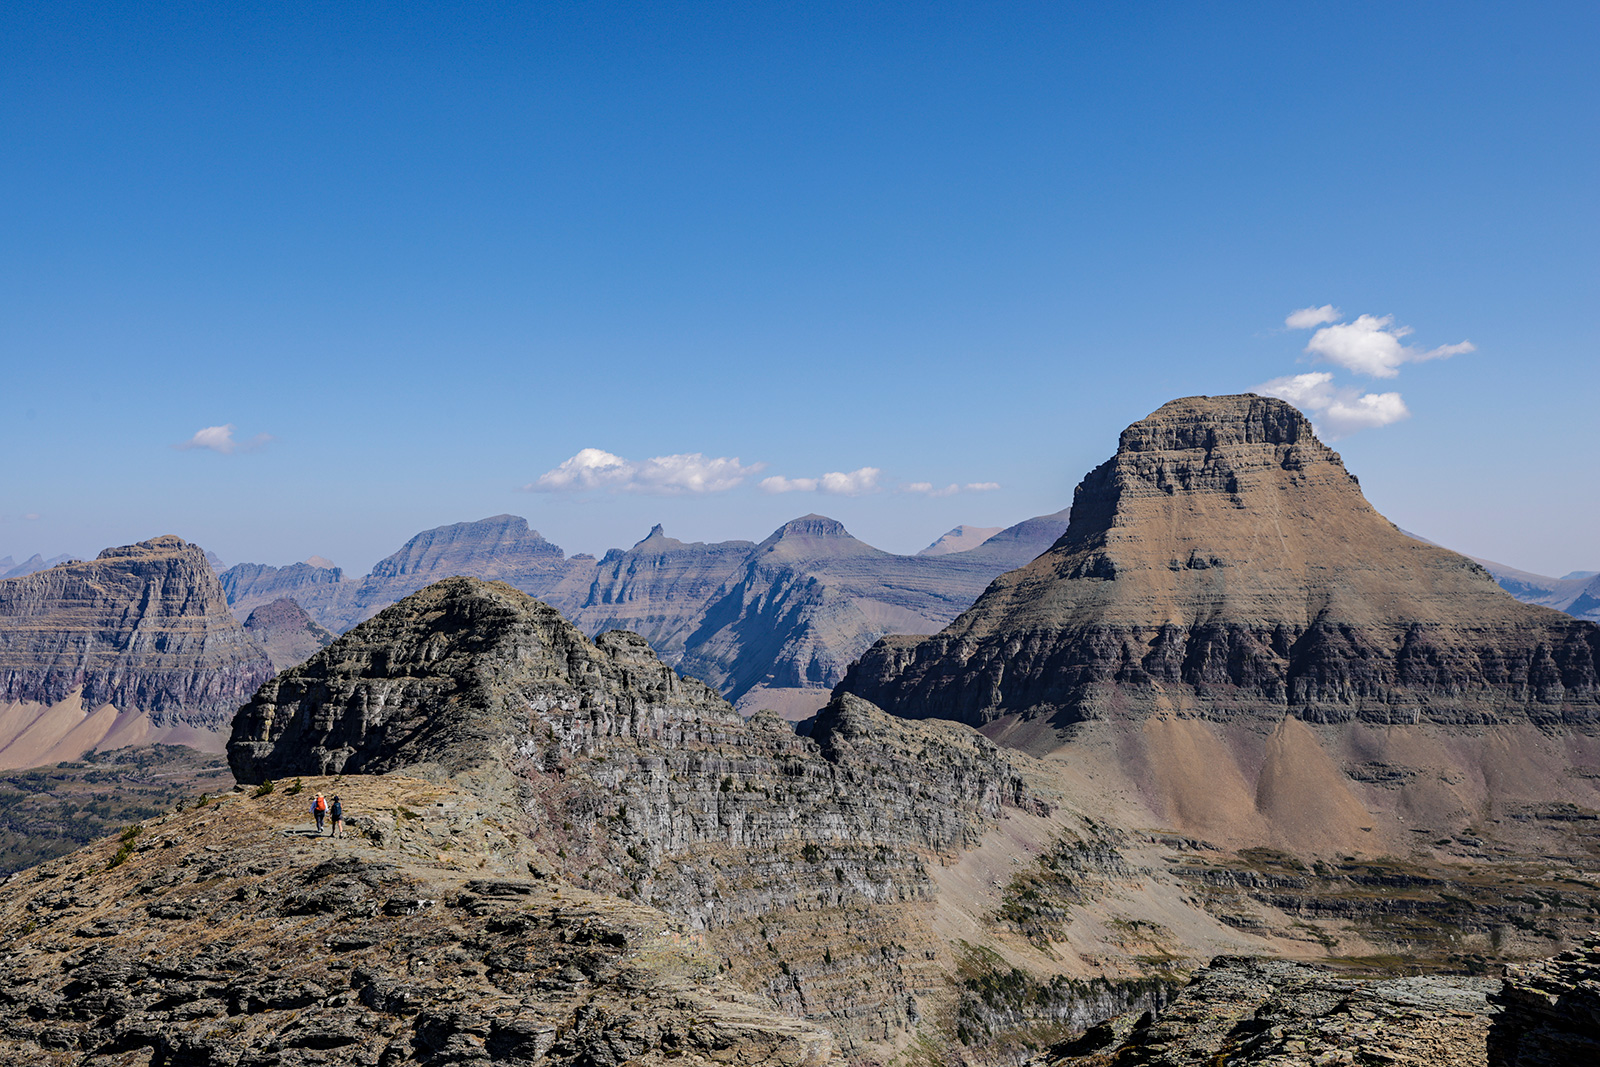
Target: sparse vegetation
[(264, 788)]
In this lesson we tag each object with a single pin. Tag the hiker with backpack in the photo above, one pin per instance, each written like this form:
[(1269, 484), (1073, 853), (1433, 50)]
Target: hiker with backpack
[(319, 808), (338, 818)]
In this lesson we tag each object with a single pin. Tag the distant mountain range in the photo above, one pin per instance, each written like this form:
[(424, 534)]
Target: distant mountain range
[(1577, 594), (772, 624)]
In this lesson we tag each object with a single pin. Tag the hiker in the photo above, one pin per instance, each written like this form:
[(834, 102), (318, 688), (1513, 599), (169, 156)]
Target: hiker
[(338, 817), (319, 808)]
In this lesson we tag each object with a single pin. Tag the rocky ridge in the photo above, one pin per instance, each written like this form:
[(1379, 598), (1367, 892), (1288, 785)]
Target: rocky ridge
[(1224, 563), (649, 786), (144, 628), (226, 933)]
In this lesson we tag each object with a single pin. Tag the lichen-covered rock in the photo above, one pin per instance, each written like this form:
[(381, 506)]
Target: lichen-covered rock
[(145, 627), (1223, 564)]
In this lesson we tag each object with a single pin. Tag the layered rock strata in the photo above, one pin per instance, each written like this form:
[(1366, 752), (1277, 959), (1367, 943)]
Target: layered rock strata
[(1222, 564), (659, 589), (650, 786), (144, 628)]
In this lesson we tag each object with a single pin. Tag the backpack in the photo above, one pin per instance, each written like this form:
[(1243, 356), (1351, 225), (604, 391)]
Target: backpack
[(319, 805)]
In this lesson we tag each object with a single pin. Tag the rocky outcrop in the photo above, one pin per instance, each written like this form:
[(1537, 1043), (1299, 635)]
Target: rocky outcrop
[(1252, 1011), (1223, 564), (1550, 1011), (286, 633), (651, 787), (145, 628), (659, 589)]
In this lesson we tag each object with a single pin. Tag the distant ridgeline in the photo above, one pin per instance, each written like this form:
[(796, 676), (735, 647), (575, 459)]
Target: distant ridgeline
[(753, 620)]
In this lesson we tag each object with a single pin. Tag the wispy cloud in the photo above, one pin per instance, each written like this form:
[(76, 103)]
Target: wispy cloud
[(841, 483), (929, 489), (1306, 318), (1369, 345), (687, 472), (1336, 410), (220, 439)]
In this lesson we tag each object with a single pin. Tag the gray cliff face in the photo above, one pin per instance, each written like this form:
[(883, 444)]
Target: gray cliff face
[(252, 585), (145, 627), (1224, 563), (649, 786), (500, 548), (659, 589)]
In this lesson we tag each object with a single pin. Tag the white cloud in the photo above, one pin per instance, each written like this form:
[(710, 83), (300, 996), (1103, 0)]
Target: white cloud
[(220, 439), (779, 484), (841, 483), (1306, 318), (687, 472), (1337, 410), (1370, 345), (929, 489)]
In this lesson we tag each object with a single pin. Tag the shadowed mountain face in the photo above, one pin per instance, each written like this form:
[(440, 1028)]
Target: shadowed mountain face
[(811, 598), (1224, 563), (960, 539), (145, 628)]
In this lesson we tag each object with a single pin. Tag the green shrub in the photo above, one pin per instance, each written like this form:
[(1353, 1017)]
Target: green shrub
[(264, 788), (298, 787)]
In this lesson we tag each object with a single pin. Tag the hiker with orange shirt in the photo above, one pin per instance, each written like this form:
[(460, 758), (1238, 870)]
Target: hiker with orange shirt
[(319, 808)]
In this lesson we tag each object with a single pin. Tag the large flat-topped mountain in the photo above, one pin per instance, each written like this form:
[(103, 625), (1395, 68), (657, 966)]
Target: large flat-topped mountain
[(1224, 562), (143, 630)]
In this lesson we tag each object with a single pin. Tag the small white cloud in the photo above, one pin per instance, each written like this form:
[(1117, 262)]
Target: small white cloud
[(1371, 345), (841, 483), (1336, 410), (929, 489), (1306, 318), (220, 439), (688, 472), (32, 516), (779, 484)]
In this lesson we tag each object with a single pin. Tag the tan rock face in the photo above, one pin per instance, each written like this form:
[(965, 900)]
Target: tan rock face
[(145, 628), (1224, 563)]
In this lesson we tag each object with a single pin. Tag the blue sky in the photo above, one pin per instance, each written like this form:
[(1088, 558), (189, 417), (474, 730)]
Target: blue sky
[(418, 257)]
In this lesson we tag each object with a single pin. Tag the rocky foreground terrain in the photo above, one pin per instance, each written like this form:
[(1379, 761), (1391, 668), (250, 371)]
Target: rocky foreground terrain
[(226, 933)]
